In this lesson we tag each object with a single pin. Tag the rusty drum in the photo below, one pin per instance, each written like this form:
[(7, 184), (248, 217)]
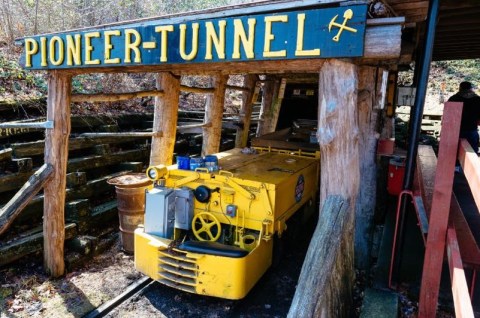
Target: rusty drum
[(130, 190)]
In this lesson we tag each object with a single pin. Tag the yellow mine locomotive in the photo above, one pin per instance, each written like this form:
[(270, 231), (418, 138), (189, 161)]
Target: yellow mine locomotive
[(210, 230)]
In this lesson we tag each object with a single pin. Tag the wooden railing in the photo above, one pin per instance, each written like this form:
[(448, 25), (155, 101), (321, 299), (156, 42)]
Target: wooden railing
[(448, 229)]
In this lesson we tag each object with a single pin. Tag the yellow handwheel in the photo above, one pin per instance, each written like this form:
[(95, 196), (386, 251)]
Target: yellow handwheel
[(203, 223)]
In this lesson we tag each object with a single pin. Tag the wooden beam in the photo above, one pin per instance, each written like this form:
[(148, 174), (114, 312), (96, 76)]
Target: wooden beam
[(252, 90), (165, 119), (213, 114), (122, 134), (200, 90), (6, 154), (432, 266), (383, 42), (56, 155), (471, 168), (9, 211), (461, 296), (267, 112), (338, 130), (369, 79), (78, 98), (326, 280), (239, 88), (29, 244)]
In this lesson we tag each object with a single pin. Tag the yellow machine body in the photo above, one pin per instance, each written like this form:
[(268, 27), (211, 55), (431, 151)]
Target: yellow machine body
[(250, 199)]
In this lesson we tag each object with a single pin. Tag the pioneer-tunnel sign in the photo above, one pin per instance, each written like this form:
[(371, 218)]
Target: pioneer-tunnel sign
[(313, 33)]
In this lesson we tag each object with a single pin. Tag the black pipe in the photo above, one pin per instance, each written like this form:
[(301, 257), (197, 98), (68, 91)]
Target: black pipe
[(416, 114)]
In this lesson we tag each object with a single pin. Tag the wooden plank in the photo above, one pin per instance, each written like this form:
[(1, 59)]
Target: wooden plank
[(56, 155), (468, 246), (461, 296), (165, 119), (199, 90), (439, 213), (98, 188), (10, 211), (383, 42), (95, 98), (471, 168), (29, 245), (90, 162), (13, 181), (36, 148), (426, 169), (213, 114), (326, 280), (6, 154)]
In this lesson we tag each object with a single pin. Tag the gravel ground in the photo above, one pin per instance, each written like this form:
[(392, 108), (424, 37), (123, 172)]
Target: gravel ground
[(25, 291)]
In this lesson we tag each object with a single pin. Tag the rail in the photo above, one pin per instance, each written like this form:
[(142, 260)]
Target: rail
[(448, 229)]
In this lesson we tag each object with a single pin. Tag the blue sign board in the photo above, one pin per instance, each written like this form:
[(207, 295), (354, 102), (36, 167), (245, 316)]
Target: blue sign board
[(313, 33)]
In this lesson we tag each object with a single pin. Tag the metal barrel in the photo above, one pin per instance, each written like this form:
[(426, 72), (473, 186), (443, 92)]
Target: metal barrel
[(130, 190)]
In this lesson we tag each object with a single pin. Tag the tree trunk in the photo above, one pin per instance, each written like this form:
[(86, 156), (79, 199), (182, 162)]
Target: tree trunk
[(371, 96), (165, 119), (56, 155), (213, 116), (246, 111), (326, 280), (338, 130)]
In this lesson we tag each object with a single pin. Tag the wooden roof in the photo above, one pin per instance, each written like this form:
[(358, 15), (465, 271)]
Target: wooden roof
[(457, 34)]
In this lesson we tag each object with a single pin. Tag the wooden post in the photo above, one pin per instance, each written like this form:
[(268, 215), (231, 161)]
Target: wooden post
[(56, 155), (438, 221), (241, 138), (326, 280), (371, 81), (267, 112), (338, 130), (214, 115), (165, 119), (338, 138)]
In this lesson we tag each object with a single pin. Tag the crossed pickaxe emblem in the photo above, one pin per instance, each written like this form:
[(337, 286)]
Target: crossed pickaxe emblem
[(347, 15)]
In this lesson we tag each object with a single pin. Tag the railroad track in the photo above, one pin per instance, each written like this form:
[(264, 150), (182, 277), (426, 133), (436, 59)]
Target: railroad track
[(135, 288)]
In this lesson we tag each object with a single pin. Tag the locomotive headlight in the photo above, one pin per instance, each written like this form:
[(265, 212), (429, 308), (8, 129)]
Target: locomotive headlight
[(156, 172), (152, 174)]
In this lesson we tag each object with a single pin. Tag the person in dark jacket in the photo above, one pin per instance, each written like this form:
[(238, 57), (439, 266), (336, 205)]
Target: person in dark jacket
[(470, 114)]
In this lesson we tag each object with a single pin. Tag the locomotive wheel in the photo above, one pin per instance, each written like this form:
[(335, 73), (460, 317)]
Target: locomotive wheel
[(202, 225)]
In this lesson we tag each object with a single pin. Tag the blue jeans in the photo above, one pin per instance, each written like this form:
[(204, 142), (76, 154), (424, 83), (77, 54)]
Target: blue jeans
[(472, 138)]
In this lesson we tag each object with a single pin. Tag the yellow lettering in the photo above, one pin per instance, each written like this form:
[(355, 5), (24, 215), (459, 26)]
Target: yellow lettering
[(300, 32), (163, 30), (74, 47), (108, 47), (89, 48), (31, 48), (56, 50), (269, 37), (43, 51), (193, 53), (239, 35), (217, 40), (132, 45)]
